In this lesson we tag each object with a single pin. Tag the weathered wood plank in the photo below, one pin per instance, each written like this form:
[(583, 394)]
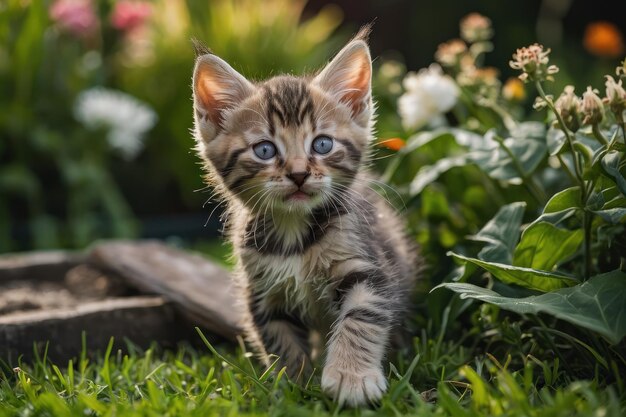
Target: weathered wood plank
[(201, 290), (39, 266), (142, 320)]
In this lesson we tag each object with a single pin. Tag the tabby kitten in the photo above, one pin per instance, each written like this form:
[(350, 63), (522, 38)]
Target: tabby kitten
[(317, 249)]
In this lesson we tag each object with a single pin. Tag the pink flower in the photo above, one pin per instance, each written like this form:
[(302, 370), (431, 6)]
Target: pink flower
[(129, 15), (74, 16)]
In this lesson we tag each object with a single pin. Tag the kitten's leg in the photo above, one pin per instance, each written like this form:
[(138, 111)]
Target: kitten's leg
[(353, 372), (281, 334)]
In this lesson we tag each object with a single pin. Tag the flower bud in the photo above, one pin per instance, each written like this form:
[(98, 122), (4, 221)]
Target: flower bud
[(476, 28), (449, 53), (568, 106), (541, 103), (615, 95), (533, 62), (591, 107), (621, 70)]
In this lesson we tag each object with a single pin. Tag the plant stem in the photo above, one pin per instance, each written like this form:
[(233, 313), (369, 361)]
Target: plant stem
[(622, 124), (507, 119), (565, 130), (596, 132), (584, 193), (566, 169), (587, 243), (527, 179)]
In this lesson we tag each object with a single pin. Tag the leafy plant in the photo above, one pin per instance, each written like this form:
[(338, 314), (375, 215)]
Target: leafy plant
[(556, 245)]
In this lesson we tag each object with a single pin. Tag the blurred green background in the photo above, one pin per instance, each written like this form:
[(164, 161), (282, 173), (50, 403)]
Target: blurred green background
[(65, 182)]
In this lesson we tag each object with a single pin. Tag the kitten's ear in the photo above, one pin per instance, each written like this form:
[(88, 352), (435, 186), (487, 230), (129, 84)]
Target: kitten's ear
[(348, 76), (217, 87)]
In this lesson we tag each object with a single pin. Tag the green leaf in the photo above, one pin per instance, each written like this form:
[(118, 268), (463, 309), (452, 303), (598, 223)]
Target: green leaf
[(595, 168), (417, 141), (529, 130), (501, 234), (497, 163), (613, 215), (543, 246), (611, 162), (568, 198), (526, 277), (18, 179), (555, 138), (561, 206), (412, 144), (428, 174), (434, 203), (597, 304)]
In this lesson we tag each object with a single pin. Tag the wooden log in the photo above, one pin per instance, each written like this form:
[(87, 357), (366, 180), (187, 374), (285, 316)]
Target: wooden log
[(38, 266), (200, 290), (142, 320)]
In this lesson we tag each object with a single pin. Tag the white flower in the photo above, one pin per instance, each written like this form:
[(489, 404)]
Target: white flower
[(125, 117), (428, 95)]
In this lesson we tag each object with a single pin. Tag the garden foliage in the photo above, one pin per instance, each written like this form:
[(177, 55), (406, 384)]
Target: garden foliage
[(556, 247), (95, 111)]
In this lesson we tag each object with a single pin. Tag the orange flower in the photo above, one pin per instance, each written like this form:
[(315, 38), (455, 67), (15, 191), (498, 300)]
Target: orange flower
[(603, 39), (513, 90), (395, 144)]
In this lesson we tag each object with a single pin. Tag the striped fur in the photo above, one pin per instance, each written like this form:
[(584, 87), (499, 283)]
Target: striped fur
[(335, 261)]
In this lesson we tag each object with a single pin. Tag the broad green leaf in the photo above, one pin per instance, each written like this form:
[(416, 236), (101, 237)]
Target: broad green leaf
[(543, 246), (526, 277), (434, 203), (412, 144), (561, 206), (608, 203), (428, 174), (497, 163), (611, 162), (597, 304), (529, 130), (595, 169), (417, 141), (613, 215), (607, 197), (555, 138), (501, 234), (467, 138), (462, 137), (568, 198)]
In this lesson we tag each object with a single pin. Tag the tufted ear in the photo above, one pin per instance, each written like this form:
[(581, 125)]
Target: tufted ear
[(348, 77), (217, 87)]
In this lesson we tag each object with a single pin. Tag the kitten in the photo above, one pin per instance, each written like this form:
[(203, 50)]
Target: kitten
[(317, 248)]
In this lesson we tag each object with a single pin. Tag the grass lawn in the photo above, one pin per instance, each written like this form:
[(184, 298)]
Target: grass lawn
[(435, 378)]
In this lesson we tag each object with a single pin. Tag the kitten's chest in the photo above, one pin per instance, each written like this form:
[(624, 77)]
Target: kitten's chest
[(301, 283)]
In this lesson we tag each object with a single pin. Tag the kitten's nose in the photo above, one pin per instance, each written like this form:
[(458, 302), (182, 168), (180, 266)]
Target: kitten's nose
[(298, 178)]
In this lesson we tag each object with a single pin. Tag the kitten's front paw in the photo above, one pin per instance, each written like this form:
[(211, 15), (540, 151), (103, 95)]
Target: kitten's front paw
[(354, 387)]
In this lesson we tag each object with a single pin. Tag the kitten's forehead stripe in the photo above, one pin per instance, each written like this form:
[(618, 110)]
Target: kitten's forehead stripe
[(289, 102)]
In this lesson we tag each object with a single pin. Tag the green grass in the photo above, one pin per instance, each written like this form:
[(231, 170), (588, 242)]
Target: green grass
[(434, 378)]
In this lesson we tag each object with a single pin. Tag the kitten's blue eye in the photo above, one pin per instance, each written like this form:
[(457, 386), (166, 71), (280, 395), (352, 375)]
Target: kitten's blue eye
[(265, 149), (322, 144)]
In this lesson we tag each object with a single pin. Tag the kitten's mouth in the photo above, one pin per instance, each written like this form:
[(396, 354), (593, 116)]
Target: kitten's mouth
[(299, 195)]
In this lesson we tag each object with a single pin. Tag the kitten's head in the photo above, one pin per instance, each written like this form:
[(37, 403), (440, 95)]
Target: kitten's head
[(289, 143)]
